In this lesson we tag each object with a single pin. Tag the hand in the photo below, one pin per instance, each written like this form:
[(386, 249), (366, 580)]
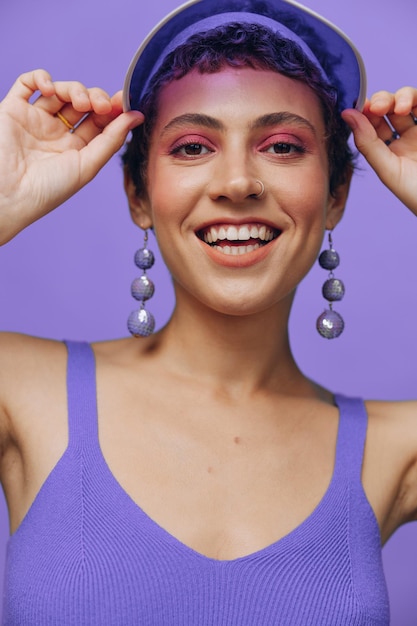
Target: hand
[(394, 160), (42, 163)]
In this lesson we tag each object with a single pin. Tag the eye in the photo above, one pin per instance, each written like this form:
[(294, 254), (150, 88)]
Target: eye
[(283, 147), (191, 149)]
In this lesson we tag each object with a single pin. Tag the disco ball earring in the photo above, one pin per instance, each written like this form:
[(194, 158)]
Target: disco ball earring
[(330, 324), (141, 323)]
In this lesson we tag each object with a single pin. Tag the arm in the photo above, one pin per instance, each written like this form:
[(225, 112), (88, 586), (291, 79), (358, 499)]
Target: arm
[(42, 163), (392, 445)]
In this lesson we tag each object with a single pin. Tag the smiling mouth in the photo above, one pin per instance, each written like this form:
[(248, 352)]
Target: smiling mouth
[(237, 240)]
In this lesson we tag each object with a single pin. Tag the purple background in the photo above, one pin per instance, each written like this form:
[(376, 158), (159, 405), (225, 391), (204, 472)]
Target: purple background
[(69, 275)]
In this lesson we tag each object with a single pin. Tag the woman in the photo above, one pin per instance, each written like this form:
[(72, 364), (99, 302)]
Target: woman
[(252, 496)]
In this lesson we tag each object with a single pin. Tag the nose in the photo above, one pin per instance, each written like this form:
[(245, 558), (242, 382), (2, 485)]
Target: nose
[(235, 181)]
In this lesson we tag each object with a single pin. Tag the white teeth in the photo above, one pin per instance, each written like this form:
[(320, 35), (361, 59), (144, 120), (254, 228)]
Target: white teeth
[(236, 250), (231, 233), (243, 233)]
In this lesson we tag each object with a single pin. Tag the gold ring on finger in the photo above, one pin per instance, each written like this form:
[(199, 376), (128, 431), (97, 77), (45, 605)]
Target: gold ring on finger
[(64, 120)]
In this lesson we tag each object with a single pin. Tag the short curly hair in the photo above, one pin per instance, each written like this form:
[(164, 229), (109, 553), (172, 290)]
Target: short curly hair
[(244, 45)]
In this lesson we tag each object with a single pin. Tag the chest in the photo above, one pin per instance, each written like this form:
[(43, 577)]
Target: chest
[(226, 480), (98, 550)]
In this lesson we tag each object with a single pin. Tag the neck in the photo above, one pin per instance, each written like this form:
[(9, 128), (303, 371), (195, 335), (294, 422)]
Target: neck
[(239, 354)]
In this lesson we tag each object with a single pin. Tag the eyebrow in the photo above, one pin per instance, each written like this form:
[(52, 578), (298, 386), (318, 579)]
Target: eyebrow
[(195, 119), (265, 121), (283, 117)]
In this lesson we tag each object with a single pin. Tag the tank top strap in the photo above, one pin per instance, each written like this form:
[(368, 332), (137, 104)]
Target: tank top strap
[(81, 394), (353, 423)]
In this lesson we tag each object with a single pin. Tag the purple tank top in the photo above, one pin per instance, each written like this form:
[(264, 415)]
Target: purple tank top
[(87, 555)]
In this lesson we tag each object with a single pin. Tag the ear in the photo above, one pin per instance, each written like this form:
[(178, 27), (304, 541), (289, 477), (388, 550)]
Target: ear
[(139, 206), (337, 202)]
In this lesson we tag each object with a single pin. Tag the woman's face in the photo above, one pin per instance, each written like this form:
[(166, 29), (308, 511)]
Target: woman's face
[(215, 136)]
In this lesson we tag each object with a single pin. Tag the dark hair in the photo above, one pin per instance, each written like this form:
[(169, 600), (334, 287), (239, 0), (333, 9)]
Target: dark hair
[(242, 45)]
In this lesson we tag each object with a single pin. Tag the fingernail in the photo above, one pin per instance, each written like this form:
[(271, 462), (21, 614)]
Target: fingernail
[(136, 119), (350, 120), (378, 100), (353, 123)]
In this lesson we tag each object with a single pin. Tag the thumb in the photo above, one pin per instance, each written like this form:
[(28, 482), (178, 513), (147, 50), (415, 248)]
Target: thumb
[(373, 148), (100, 149)]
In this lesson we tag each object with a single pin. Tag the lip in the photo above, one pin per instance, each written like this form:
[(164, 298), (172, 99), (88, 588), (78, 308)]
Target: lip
[(241, 260)]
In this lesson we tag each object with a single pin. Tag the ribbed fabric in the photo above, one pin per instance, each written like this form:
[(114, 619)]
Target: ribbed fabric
[(87, 555)]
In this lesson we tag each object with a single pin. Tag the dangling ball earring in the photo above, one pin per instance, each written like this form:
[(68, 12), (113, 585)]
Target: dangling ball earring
[(141, 323), (330, 324)]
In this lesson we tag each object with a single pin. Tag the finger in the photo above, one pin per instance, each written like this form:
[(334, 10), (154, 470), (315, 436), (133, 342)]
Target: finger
[(29, 83), (405, 100), (103, 146), (399, 103), (382, 125), (389, 126), (100, 100), (91, 124), (101, 104), (378, 155), (76, 95), (377, 120), (394, 109), (381, 103)]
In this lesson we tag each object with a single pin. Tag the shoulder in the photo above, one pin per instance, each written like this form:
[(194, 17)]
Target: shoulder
[(21, 355), (33, 412), (28, 365), (32, 367), (32, 404), (25, 359)]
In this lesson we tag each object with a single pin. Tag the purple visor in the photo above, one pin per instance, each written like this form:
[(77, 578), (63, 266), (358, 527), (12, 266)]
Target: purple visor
[(285, 18)]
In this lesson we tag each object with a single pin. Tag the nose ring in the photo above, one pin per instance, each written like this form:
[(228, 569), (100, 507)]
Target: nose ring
[(261, 193)]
